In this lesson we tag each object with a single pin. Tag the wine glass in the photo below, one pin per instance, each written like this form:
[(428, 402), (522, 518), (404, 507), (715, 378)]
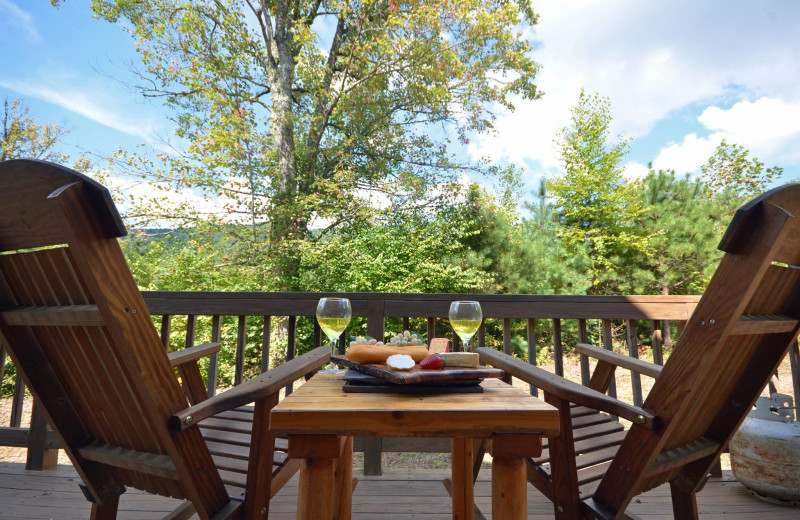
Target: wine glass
[(465, 318), (333, 315)]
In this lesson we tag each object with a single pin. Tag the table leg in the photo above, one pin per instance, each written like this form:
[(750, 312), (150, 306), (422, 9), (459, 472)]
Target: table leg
[(343, 485), (315, 494), (509, 489), (509, 477), (462, 481)]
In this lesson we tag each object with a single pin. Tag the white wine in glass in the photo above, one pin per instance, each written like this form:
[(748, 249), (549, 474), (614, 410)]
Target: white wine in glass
[(333, 315), (465, 318)]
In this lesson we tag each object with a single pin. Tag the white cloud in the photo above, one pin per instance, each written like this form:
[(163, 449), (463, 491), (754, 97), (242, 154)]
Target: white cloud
[(634, 171), (20, 18), (655, 60), (768, 127), (688, 155), (171, 200), (80, 103)]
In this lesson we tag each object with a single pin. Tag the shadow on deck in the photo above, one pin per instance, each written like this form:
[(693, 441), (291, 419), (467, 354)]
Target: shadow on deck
[(54, 494)]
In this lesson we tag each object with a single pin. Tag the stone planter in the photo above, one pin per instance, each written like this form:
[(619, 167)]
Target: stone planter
[(765, 452)]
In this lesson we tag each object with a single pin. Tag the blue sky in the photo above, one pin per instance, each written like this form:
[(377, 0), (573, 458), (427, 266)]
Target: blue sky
[(58, 60), (681, 75)]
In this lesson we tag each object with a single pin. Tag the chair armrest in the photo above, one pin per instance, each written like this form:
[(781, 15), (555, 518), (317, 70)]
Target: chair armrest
[(192, 353), (255, 389), (637, 365), (566, 389)]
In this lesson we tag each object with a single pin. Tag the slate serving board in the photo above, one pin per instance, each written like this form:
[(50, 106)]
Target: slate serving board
[(419, 375), (358, 382), (354, 376)]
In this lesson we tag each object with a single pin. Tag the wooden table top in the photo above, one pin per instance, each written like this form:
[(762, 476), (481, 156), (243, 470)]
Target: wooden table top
[(321, 407)]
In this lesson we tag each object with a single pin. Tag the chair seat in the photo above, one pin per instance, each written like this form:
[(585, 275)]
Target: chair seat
[(227, 436), (597, 437)]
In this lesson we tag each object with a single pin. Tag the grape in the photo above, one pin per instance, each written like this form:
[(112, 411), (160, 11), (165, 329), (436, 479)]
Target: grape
[(403, 339)]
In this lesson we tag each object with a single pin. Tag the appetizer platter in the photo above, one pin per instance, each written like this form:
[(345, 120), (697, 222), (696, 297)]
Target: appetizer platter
[(411, 368)]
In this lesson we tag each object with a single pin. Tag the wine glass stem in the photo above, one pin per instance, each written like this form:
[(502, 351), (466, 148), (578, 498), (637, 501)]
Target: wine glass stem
[(333, 347)]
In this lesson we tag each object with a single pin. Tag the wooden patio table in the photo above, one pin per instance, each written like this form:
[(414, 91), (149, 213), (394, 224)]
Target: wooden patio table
[(321, 420)]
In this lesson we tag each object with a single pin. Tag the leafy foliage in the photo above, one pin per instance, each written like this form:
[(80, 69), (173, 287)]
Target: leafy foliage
[(295, 113), (597, 207), (23, 138), (416, 254), (732, 168), (685, 222)]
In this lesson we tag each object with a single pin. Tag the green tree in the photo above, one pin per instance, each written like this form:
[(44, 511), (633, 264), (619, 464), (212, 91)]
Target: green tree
[(22, 137), (294, 111), (542, 263), (417, 253), (731, 167), (685, 225), (598, 208)]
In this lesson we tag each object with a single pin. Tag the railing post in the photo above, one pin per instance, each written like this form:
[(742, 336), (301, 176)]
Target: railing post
[(266, 342), (191, 325), (583, 337), (241, 341), (507, 336), (17, 401), (608, 344), (213, 360), (558, 348), (376, 326), (658, 342), (531, 332), (667, 328), (633, 351), (291, 346), (166, 327)]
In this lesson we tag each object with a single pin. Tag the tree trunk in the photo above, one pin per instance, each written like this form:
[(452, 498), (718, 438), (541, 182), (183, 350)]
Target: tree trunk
[(286, 225)]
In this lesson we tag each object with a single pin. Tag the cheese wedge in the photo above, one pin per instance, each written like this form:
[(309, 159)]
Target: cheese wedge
[(459, 359)]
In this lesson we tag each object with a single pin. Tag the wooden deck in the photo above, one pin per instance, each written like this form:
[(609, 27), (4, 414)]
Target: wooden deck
[(397, 495)]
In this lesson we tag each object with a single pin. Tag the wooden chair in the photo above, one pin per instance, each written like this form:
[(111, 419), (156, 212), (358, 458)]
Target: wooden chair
[(77, 328), (732, 344)]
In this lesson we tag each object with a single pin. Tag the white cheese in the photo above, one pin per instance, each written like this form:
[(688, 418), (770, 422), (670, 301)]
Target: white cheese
[(400, 362)]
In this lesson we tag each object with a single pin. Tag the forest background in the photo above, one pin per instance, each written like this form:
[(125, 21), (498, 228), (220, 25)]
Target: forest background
[(333, 168)]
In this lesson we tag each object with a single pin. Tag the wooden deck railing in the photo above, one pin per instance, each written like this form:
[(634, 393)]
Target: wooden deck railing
[(606, 318)]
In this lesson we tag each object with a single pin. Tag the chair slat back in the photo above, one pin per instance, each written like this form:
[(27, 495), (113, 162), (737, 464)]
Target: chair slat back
[(77, 327), (724, 358), (25, 224)]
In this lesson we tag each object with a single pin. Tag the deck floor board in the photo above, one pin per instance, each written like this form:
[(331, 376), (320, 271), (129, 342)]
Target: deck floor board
[(398, 494)]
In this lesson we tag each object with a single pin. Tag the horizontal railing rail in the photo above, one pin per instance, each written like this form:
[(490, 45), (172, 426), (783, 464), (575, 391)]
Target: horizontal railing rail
[(602, 320)]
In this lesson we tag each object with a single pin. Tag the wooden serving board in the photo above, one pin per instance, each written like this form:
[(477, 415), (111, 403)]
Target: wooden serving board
[(419, 375)]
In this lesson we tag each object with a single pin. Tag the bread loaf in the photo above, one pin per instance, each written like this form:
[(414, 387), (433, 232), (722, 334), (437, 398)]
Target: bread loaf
[(379, 354)]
